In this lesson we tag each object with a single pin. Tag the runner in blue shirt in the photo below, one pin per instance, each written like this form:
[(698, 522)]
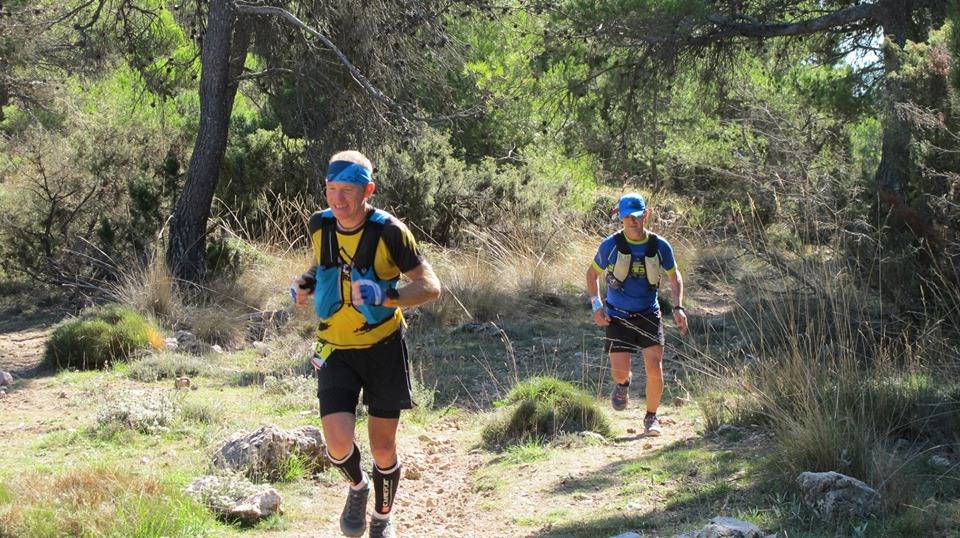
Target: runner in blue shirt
[(632, 261)]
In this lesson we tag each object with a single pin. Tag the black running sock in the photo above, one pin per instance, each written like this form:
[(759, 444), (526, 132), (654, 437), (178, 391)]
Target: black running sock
[(385, 483), (349, 466), (625, 383), (651, 414)]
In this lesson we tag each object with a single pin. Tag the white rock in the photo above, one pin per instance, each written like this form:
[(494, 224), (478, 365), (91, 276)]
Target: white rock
[(264, 452), (726, 527), (628, 535), (592, 436), (939, 462), (6, 379), (258, 506), (216, 349)]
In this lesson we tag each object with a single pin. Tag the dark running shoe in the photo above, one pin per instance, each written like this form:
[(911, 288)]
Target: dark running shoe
[(382, 528), (620, 396), (651, 426), (353, 519)]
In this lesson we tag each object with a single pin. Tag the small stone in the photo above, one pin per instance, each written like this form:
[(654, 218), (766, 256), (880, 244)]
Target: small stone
[(631, 430), (62, 395), (216, 349), (592, 436), (3, 394), (630, 534), (939, 462), (262, 348), (647, 446), (424, 438), (412, 473), (6, 379), (181, 383)]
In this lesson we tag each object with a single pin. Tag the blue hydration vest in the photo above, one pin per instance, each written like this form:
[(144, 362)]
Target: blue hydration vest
[(328, 296)]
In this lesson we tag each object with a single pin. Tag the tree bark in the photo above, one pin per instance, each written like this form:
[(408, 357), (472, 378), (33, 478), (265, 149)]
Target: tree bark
[(224, 50), (893, 174)]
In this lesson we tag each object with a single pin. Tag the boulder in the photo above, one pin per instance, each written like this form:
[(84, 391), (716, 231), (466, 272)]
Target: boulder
[(264, 453), (234, 498), (726, 527), (836, 497), (6, 379)]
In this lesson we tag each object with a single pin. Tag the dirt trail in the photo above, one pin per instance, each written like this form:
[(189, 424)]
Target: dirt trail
[(21, 343)]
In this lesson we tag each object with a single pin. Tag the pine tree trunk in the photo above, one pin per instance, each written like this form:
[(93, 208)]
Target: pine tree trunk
[(893, 174), (224, 49)]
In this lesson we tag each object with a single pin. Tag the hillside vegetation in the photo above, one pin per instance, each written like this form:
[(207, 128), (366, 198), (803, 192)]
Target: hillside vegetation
[(800, 156)]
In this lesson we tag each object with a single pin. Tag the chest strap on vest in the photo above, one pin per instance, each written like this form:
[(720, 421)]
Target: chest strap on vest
[(366, 248)]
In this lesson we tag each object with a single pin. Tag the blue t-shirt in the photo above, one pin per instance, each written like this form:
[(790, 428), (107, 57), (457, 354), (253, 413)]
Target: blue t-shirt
[(635, 297)]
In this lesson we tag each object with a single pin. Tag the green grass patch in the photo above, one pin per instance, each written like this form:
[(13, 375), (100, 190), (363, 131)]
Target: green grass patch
[(543, 408), (531, 451), (100, 337)]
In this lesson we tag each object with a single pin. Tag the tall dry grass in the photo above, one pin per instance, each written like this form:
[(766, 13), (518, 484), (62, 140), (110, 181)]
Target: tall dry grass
[(846, 381), (513, 273)]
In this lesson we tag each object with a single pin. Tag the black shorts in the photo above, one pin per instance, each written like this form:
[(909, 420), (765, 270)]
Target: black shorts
[(382, 371), (634, 333)]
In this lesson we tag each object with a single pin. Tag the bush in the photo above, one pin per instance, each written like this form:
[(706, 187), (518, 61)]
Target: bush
[(101, 336), (543, 408), (428, 186), (168, 366), (143, 411)]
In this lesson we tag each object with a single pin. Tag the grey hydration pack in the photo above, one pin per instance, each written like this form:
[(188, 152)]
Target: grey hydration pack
[(620, 270)]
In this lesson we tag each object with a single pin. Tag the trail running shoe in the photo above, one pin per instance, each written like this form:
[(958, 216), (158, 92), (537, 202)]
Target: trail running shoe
[(353, 519), (620, 396), (382, 528), (651, 426)]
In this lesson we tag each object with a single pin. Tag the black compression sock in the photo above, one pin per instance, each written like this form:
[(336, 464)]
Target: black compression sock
[(385, 482), (651, 414), (349, 466)]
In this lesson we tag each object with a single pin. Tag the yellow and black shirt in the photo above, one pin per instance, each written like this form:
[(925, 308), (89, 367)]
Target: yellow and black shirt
[(396, 253)]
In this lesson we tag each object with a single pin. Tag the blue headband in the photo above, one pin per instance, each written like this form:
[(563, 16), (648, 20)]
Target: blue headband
[(348, 172)]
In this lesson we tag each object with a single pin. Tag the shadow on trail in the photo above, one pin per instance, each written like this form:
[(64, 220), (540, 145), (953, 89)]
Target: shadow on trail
[(675, 489), (22, 341)]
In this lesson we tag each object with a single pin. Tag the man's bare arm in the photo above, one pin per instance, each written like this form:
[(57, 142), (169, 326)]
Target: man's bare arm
[(423, 287)]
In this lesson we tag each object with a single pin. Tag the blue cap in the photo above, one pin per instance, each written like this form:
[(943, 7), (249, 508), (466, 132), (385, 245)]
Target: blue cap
[(632, 205), (348, 172)]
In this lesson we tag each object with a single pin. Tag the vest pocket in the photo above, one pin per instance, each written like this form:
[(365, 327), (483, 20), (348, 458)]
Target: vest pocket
[(327, 296)]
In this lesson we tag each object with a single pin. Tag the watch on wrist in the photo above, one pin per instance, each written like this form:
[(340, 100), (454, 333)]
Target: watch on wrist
[(392, 294), (680, 308)]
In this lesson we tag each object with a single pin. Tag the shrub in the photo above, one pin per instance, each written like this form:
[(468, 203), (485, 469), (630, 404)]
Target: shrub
[(168, 366), (543, 408), (101, 336), (202, 412), (143, 411), (430, 187)]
